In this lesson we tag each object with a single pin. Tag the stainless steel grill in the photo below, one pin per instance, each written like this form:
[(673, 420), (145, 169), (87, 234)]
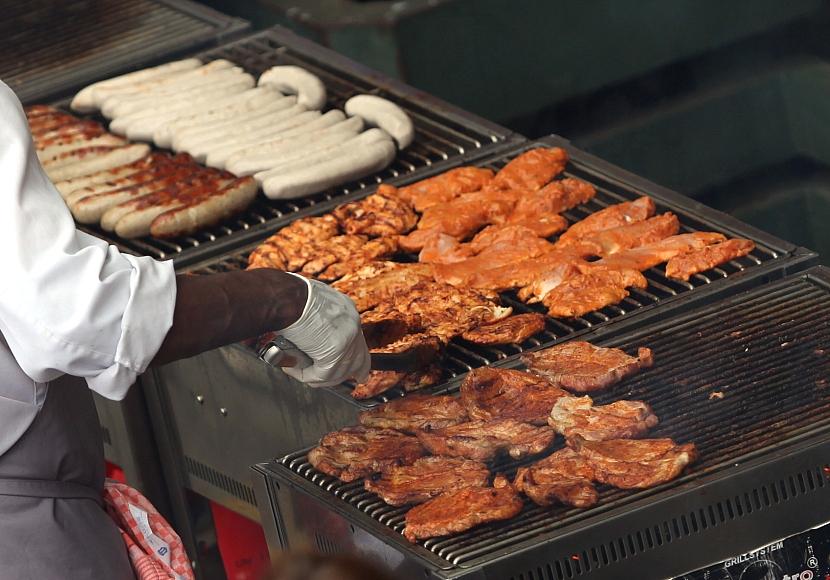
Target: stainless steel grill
[(442, 135), (463, 356), (766, 351), (48, 49)]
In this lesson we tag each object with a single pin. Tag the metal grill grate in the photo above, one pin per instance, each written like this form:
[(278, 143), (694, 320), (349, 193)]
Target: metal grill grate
[(441, 135), (49, 48), (463, 356), (766, 351)]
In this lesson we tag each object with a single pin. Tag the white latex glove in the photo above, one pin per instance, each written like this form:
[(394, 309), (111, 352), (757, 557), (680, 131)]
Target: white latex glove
[(329, 332)]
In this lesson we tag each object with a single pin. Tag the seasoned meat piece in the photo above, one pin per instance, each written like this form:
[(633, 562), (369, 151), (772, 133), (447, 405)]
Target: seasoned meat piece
[(552, 266), (531, 170), (427, 345), (553, 199), (377, 215), (482, 440), (607, 242), (577, 416), (323, 254), (445, 187), (513, 329), (291, 247), (461, 510), (687, 265), (415, 412), (597, 288), (545, 282), (489, 393), (378, 282), (582, 367), (488, 246), (635, 463), (649, 255), (372, 251), (565, 477), (427, 478), (615, 216), (381, 381), (355, 452)]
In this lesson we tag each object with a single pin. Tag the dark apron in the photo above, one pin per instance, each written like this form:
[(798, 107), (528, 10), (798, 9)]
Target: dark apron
[(52, 521)]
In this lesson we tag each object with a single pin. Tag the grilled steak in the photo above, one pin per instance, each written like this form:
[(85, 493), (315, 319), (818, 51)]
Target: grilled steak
[(426, 478), (635, 463), (377, 215), (482, 440), (565, 477), (577, 416), (355, 452), (685, 266), (416, 412), (381, 381), (513, 329), (489, 393), (583, 367), (461, 510), (379, 282), (615, 216)]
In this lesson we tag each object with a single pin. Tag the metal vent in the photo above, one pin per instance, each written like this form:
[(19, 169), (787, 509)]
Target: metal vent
[(326, 545), (739, 378), (224, 482)]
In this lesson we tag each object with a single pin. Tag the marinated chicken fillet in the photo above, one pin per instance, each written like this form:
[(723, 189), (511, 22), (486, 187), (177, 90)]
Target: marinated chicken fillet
[(443, 188), (377, 215), (551, 200), (355, 452), (489, 393), (606, 242), (582, 367), (381, 381), (597, 288), (461, 510), (488, 245), (514, 329), (415, 412), (531, 170), (338, 259), (427, 478), (483, 440), (649, 255), (615, 216), (635, 463), (553, 267), (687, 265), (294, 245), (379, 282), (578, 417), (565, 477)]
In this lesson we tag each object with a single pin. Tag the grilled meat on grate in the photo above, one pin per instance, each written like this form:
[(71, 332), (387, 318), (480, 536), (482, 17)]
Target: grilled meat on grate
[(427, 478), (577, 416), (415, 412), (489, 393), (538, 210), (582, 367), (461, 510), (649, 255), (614, 216), (607, 242), (565, 477), (635, 463), (531, 170), (381, 381), (513, 329), (379, 282), (596, 288), (355, 452), (684, 266), (441, 188), (482, 440), (377, 215)]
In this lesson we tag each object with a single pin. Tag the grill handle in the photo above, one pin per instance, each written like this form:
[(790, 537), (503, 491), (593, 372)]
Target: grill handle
[(281, 352)]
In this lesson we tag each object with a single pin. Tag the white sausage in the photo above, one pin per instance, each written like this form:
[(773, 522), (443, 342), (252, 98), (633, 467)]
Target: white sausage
[(309, 89), (385, 114), (85, 103)]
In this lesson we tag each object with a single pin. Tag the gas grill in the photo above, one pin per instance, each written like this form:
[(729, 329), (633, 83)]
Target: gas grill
[(444, 136), (50, 49), (744, 375), (224, 410)]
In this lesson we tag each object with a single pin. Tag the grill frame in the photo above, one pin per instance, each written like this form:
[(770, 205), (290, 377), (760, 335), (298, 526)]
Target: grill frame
[(206, 27), (474, 138), (793, 472)]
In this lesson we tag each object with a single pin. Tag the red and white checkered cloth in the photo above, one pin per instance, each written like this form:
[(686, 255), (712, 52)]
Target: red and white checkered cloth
[(156, 551)]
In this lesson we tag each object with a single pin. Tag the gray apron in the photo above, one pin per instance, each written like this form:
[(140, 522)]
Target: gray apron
[(52, 521)]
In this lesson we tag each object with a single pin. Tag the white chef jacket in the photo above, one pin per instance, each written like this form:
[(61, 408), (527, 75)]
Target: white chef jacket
[(69, 303)]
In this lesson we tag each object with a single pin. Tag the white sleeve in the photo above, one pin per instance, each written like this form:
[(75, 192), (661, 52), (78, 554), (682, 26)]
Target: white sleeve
[(70, 303)]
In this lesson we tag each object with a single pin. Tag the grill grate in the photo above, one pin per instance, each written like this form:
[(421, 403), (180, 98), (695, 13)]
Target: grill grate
[(463, 356), (49, 48), (766, 351), (440, 136)]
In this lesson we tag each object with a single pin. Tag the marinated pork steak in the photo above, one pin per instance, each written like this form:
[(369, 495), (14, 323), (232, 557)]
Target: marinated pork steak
[(381, 381), (377, 215), (577, 416), (582, 367), (565, 477), (355, 452), (415, 412), (615, 216), (685, 266), (427, 478), (635, 463), (482, 440), (443, 188), (489, 393), (461, 510), (379, 282), (514, 329)]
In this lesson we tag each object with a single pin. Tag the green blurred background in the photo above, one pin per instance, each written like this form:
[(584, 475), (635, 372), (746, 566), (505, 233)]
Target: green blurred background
[(728, 102)]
